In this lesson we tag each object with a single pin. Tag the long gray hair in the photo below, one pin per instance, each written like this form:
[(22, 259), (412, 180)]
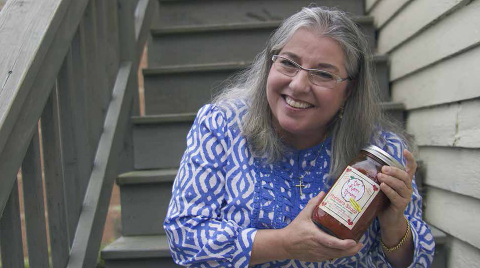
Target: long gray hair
[(362, 112)]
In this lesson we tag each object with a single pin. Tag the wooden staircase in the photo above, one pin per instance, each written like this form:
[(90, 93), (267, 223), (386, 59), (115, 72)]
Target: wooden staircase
[(194, 46)]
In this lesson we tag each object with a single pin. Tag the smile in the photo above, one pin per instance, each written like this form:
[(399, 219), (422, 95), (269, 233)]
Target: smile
[(297, 104)]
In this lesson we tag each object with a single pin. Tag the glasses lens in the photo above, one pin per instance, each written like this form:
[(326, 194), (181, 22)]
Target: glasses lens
[(285, 66), (322, 78)]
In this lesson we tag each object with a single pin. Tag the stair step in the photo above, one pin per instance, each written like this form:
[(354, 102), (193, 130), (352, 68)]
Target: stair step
[(220, 42), (144, 197), (138, 251), (184, 89), (161, 142), (191, 12), (153, 251)]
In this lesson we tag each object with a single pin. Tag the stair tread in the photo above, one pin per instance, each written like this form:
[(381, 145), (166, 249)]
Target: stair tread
[(163, 118), (195, 68), (185, 29), (147, 176), (131, 247)]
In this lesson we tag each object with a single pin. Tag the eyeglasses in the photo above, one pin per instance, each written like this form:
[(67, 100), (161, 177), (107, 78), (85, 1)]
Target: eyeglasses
[(317, 77)]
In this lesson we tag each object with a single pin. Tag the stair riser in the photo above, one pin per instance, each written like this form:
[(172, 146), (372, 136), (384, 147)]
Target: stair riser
[(216, 46), (182, 92), (187, 92), (144, 263), (175, 13), (207, 47), (144, 207), (159, 146)]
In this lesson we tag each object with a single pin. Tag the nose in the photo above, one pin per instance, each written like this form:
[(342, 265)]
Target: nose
[(300, 81)]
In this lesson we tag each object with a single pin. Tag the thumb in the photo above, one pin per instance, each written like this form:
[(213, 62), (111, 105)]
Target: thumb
[(312, 204)]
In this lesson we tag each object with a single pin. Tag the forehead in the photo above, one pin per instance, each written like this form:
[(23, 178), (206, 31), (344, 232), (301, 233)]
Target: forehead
[(311, 47)]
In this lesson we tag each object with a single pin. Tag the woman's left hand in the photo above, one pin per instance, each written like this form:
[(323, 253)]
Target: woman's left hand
[(397, 186)]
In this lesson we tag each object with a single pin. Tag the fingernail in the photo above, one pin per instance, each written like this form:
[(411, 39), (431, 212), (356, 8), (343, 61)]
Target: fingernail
[(386, 169)]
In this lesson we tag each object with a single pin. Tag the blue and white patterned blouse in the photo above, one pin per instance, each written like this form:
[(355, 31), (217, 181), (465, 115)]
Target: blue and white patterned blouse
[(222, 195)]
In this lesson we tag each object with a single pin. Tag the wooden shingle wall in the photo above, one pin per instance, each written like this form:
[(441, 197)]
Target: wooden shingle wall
[(434, 51)]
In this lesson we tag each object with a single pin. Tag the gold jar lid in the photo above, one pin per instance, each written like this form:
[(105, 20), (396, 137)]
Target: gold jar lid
[(384, 156)]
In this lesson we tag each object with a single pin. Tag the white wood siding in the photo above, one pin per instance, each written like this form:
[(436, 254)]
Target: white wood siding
[(455, 214), (449, 36), (434, 52), (385, 10), (463, 255)]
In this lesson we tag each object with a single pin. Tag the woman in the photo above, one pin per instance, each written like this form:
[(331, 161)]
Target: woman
[(263, 154)]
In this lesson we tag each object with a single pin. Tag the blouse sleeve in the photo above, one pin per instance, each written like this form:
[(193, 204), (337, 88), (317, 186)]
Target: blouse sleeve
[(424, 245), (197, 233)]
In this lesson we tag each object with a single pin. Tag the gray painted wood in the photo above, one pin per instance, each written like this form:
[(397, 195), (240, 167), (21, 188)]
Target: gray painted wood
[(112, 54), (184, 90), (101, 26), (11, 232), (79, 98), (218, 11), (160, 145), (36, 228), (220, 43), (138, 251), (139, 190), (71, 172), (95, 111), (90, 227), (54, 183), (23, 58)]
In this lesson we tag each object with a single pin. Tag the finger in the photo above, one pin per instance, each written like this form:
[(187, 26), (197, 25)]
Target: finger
[(339, 253), (411, 163), (397, 174), (336, 243), (401, 187), (397, 200)]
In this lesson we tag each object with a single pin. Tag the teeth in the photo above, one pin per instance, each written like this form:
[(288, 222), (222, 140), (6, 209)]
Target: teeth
[(297, 104)]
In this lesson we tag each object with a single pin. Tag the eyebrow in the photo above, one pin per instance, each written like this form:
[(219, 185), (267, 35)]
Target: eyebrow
[(321, 66)]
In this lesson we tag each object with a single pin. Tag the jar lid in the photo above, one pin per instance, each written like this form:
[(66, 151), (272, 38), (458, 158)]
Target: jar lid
[(384, 156)]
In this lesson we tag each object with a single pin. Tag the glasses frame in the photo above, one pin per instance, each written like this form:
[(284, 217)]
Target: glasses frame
[(337, 78)]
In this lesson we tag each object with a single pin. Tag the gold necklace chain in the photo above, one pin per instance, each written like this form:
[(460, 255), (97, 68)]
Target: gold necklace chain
[(300, 185)]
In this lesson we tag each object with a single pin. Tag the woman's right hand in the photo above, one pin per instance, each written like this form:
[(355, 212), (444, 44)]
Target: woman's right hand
[(303, 240)]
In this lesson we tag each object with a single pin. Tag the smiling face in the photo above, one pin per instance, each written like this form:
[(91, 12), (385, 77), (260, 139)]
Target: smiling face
[(301, 110)]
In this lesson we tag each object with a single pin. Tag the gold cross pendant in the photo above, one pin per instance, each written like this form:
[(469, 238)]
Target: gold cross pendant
[(300, 185)]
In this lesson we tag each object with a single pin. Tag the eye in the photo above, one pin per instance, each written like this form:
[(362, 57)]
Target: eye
[(321, 75), (287, 63)]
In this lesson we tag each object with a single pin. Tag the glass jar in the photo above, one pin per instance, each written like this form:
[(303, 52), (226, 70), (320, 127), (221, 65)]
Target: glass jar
[(355, 199)]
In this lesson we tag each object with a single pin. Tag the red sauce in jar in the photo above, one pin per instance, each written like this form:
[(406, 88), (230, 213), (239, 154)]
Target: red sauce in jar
[(355, 199)]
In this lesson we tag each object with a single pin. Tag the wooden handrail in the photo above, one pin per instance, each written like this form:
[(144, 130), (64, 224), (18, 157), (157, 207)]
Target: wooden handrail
[(48, 72)]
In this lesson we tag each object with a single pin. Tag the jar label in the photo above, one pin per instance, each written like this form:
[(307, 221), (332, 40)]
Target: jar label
[(349, 197)]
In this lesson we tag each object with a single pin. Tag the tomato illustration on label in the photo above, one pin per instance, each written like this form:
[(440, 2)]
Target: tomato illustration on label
[(375, 188), (349, 222)]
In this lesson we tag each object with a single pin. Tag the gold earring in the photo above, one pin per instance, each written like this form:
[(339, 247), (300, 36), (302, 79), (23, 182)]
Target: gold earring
[(340, 114)]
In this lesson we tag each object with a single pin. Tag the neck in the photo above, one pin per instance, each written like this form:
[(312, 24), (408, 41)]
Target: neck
[(301, 142)]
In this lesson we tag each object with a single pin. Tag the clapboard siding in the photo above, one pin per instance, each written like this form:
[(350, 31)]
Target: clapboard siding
[(455, 214), (449, 81), (463, 255), (370, 4), (385, 10), (450, 36), (455, 124), (416, 16), (439, 162)]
